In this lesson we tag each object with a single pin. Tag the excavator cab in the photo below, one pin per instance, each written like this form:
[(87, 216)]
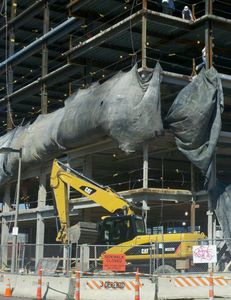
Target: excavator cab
[(117, 229)]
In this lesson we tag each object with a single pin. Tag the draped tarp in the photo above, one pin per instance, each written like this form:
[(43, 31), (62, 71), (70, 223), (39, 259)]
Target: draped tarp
[(126, 108), (220, 194), (195, 119)]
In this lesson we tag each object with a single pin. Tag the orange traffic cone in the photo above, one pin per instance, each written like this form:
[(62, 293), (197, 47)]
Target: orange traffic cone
[(8, 292)]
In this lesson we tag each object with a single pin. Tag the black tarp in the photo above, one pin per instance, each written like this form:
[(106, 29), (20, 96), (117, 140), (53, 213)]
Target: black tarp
[(220, 194), (195, 119)]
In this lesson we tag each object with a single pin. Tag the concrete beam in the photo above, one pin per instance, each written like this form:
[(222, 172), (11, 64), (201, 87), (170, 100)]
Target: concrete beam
[(77, 204)]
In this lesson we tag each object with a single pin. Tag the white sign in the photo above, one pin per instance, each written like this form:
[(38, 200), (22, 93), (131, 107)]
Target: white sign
[(204, 254), (15, 231)]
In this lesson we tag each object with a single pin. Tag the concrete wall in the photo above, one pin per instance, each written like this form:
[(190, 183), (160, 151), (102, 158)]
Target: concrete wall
[(168, 290), (58, 287), (113, 288), (116, 288), (26, 286)]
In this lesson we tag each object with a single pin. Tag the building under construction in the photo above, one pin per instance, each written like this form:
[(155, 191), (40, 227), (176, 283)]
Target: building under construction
[(53, 52)]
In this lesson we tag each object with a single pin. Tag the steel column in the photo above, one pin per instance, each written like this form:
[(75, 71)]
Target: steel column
[(9, 70), (46, 21), (144, 36), (209, 35)]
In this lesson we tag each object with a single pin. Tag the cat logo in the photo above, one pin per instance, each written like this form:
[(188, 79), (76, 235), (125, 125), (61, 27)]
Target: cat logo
[(88, 190), (144, 251)]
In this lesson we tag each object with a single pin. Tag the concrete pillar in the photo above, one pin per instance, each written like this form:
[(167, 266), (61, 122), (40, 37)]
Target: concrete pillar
[(145, 180), (87, 167), (40, 230), (40, 226), (42, 193), (84, 257), (5, 231), (66, 254)]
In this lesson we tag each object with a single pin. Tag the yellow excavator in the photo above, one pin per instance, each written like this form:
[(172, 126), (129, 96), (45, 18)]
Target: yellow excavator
[(124, 232)]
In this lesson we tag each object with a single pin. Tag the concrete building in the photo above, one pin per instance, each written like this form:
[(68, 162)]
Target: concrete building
[(50, 49)]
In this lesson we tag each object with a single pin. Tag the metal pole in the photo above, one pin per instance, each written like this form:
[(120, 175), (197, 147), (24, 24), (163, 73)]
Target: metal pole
[(193, 217), (9, 69), (15, 229), (144, 36), (209, 62), (145, 166), (145, 180), (208, 35), (44, 95)]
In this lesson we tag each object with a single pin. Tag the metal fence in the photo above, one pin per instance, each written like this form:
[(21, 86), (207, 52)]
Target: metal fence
[(153, 258)]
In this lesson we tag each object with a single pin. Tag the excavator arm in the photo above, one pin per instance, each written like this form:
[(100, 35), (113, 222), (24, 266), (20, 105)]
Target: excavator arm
[(62, 177)]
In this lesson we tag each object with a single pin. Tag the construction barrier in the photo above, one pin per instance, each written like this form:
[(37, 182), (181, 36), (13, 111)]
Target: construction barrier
[(196, 286), (115, 287), (97, 284), (8, 291), (39, 286), (137, 286), (211, 287), (202, 281)]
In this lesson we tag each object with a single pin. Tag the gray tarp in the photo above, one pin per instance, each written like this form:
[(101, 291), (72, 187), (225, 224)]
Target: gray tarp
[(221, 197), (195, 119), (126, 108)]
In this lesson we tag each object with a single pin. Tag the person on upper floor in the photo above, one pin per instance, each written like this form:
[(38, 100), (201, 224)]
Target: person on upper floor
[(168, 7), (187, 14)]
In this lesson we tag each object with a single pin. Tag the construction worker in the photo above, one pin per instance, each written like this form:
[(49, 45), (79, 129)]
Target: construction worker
[(168, 7), (203, 56), (187, 14)]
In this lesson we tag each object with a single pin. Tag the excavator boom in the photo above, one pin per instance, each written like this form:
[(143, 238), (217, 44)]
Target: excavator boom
[(62, 177)]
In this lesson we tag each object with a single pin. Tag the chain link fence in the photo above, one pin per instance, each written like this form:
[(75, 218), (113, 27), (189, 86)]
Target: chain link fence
[(152, 258)]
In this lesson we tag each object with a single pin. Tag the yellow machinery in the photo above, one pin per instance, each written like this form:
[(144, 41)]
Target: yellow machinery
[(123, 228)]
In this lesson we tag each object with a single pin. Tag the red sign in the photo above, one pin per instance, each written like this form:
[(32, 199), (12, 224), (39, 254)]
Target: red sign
[(114, 262)]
